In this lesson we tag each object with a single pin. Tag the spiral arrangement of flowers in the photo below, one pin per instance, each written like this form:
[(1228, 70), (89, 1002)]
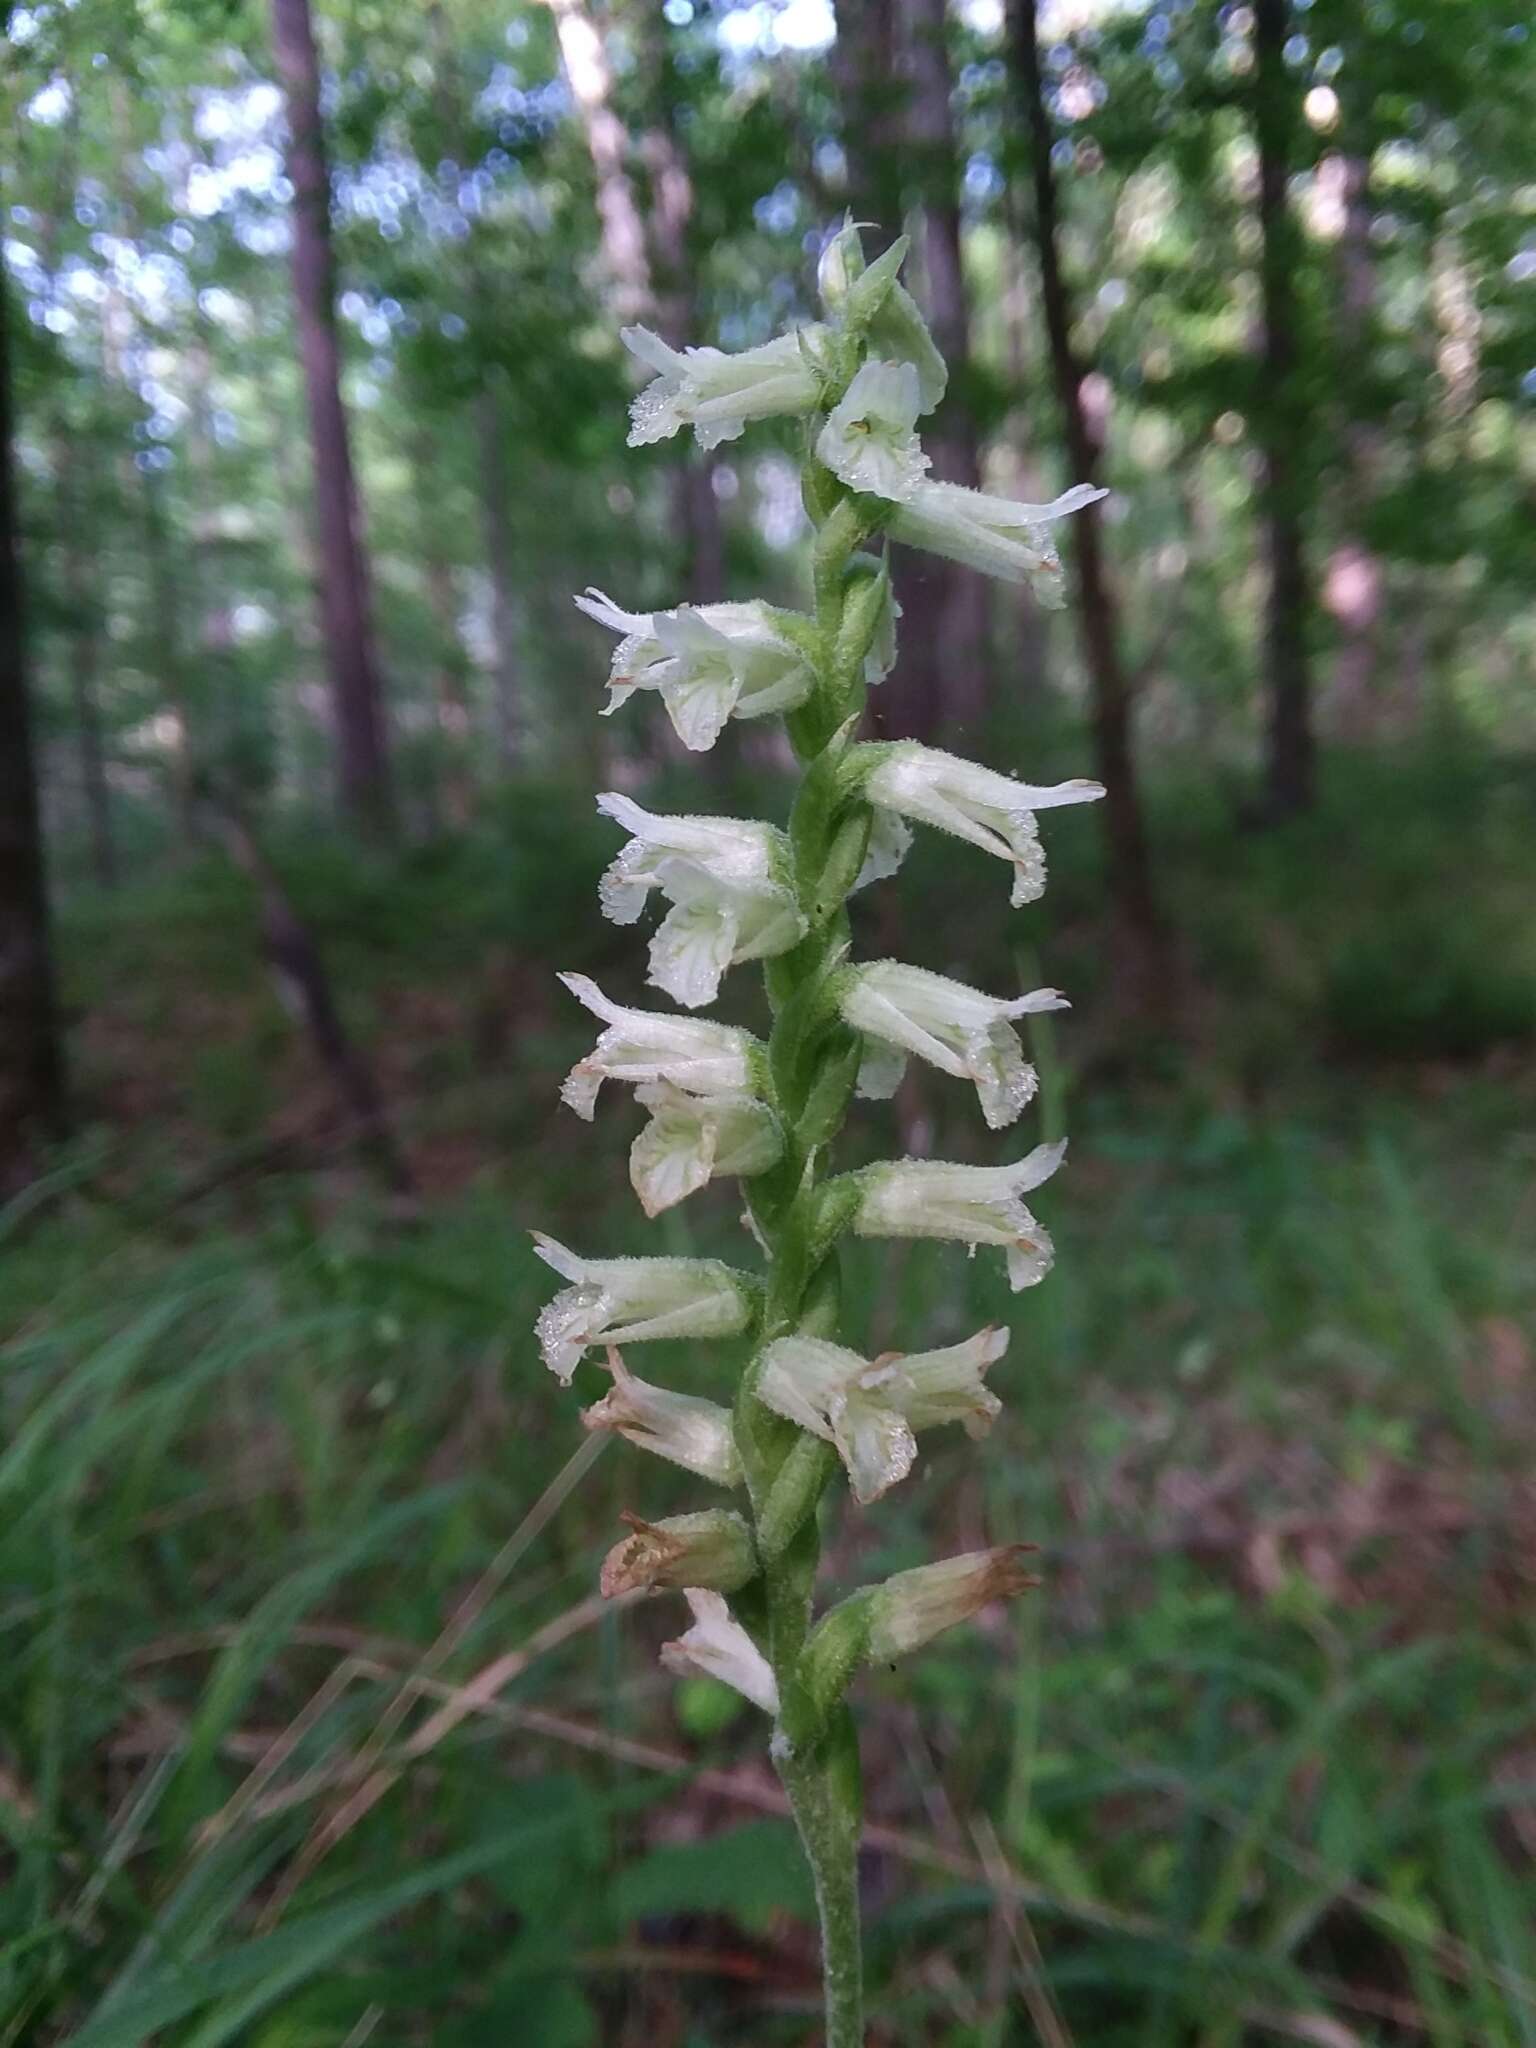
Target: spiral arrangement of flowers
[(723, 1102)]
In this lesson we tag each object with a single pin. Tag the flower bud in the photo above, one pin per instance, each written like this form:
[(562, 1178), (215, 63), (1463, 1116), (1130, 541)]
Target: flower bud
[(716, 1646), (711, 1549), (911, 1608), (690, 1432)]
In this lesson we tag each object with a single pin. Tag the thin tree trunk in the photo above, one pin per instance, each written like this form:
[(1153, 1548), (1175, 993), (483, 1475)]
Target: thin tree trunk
[(944, 674), (304, 988), (166, 615), (450, 695), (1354, 577), (501, 565), (620, 227), (872, 95), (357, 695), (1290, 769), (84, 674), (31, 1054), (1130, 875)]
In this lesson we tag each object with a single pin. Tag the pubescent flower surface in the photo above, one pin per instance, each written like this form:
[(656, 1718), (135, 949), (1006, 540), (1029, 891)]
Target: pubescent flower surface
[(954, 1027), (998, 536), (870, 1410), (632, 1301), (693, 1139), (641, 1046), (716, 393), (870, 440), (969, 1205), (708, 663), (729, 881), (992, 811)]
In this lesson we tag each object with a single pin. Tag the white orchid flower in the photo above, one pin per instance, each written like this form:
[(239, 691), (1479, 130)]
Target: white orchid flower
[(911, 1608), (954, 1027), (641, 1046), (716, 1646), (729, 881), (871, 1410), (966, 1204), (691, 1140), (708, 663), (633, 1301), (869, 440), (992, 811), (683, 1428), (716, 393), (996, 535)]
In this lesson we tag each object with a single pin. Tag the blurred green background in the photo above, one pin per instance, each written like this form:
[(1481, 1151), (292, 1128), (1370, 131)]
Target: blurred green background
[(313, 1729)]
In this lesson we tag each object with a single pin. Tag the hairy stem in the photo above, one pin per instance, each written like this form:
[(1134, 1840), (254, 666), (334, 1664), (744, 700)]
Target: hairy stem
[(810, 1057)]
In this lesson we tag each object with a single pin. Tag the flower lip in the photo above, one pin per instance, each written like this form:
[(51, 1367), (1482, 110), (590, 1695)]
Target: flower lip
[(717, 1646)]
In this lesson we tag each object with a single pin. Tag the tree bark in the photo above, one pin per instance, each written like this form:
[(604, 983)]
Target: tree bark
[(501, 566), (31, 1055), (346, 620), (1130, 875), (1290, 769), (1354, 577)]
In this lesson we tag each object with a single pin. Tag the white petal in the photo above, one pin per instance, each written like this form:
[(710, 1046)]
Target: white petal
[(719, 1647), (690, 952)]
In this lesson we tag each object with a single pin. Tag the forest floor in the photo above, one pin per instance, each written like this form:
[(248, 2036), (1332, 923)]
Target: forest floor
[(312, 1728)]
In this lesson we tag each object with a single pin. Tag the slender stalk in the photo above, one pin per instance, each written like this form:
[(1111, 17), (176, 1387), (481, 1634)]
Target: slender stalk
[(786, 1467)]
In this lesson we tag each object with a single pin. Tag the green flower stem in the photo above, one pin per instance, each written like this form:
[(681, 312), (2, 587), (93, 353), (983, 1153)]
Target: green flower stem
[(813, 1061)]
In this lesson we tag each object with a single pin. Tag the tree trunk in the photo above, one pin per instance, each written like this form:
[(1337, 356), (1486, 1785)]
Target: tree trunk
[(1130, 876), (872, 94), (356, 692), (31, 1056), (450, 692), (943, 677), (1353, 580), (84, 671), (500, 561), (620, 228), (1290, 770)]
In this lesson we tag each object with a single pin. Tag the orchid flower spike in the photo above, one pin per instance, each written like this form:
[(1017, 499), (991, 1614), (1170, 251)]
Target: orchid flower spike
[(969, 1205), (992, 811), (957, 1029), (708, 663), (630, 1301), (715, 393), (646, 1046), (731, 887), (871, 1411)]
